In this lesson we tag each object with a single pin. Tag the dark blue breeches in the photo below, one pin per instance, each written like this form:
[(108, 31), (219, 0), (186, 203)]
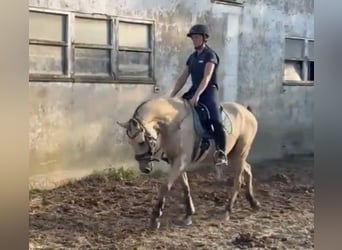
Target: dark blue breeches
[(210, 99)]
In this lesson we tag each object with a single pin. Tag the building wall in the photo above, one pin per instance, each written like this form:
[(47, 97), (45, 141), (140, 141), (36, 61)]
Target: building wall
[(285, 113), (72, 125)]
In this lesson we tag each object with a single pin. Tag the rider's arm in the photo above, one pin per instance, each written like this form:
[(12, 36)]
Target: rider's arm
[(210, 63), (180, 81)]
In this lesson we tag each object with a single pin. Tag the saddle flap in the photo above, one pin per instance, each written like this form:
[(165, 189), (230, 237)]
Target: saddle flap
[(202, 112), (198, 122), (202, 120)]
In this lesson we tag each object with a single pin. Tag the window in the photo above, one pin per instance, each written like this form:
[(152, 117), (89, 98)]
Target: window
[(299, 61), (48, 44), (135, 50), (95, 48), (311, 69)]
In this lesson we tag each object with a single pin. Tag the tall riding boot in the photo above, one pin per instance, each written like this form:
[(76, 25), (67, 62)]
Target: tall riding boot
[(220, 156)]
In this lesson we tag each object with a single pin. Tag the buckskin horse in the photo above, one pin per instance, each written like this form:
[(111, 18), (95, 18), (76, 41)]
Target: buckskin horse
[(184, 134)]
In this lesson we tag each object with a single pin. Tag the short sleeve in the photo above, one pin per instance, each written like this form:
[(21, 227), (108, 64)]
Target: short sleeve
[(211, 57), (188, 61)]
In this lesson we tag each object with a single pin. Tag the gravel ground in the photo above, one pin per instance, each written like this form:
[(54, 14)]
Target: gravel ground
[(95, 213)]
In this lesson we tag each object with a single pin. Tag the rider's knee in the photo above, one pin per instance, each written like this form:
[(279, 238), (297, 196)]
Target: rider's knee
[(217, 124)]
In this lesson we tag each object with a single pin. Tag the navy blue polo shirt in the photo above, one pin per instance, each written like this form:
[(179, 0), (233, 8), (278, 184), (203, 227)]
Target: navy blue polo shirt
[(196, 63)]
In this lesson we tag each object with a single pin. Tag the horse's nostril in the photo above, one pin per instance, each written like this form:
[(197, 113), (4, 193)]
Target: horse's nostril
[(146, 170)]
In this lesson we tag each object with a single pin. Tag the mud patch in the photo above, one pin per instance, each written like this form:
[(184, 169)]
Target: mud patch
[(247, 240), (282, 178)]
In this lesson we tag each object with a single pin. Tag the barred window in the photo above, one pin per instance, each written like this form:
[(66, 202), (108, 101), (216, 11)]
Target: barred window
[(48, 41), (298, 60), (84, 47)]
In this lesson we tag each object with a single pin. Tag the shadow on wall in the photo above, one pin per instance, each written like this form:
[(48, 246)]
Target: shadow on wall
[(95, 145), (74, 127), (80, 156)]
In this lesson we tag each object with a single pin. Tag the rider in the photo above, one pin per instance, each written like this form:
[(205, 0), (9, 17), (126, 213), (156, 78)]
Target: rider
[(202, 65)]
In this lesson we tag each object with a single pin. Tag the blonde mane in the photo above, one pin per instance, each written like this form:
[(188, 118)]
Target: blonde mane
[(162, 110)]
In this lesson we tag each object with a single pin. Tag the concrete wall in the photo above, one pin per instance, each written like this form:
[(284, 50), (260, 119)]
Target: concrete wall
[(72, 125), (285, 113)]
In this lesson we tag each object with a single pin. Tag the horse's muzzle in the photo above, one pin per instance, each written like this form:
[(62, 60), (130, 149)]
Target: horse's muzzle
[(146, 166), (146, 162)]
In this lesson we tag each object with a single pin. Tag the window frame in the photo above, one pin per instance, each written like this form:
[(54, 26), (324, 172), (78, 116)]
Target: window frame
[(230, 2), (110, 47), (151, 50), (66, 45), (113, 46), (305, 61)]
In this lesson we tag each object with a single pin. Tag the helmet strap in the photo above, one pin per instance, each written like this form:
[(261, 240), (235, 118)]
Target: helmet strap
[(199, 47), (202, 45)]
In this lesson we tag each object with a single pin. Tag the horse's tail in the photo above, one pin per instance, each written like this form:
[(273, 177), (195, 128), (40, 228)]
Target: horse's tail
[(249, 109)]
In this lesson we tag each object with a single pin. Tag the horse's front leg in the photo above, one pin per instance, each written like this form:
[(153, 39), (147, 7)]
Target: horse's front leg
[(189, 206), (165, 188)]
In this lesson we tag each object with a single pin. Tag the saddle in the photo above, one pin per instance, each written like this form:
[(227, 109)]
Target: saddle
[(204, 128), (202, 121)]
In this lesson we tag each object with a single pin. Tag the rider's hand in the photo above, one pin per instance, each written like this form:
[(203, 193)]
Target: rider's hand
[(194, 100)]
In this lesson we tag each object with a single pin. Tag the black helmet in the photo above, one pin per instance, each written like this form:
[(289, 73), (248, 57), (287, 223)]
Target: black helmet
[(200, 29)]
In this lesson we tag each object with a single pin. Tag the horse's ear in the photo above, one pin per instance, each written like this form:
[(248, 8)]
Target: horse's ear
[(123, 124), (135, 123)]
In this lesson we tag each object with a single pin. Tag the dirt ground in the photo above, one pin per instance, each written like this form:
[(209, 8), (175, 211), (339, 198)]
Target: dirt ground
[(96, 214)]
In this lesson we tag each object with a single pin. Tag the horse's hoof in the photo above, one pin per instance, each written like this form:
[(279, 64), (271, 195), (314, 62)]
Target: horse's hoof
[(226, 216), (184, 222), (256, 206), (187, 221), (154, 224)]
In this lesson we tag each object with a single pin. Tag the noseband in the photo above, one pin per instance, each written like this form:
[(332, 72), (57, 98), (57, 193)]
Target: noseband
[(150, 141)]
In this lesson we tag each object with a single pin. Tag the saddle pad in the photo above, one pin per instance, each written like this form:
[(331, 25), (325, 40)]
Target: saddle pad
[(226, 121)]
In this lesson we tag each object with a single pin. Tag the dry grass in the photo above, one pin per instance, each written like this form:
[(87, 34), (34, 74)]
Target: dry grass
[(111, 212)]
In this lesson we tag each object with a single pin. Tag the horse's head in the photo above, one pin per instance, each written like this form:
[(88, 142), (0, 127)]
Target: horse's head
[(143, 142)]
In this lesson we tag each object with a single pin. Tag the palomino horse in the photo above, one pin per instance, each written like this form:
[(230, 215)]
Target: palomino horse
[(182, 133)]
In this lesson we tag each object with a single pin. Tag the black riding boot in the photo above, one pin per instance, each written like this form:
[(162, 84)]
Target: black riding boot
[(220, 157)]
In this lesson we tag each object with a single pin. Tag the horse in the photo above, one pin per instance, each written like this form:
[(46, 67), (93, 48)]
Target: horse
[(184, 136)]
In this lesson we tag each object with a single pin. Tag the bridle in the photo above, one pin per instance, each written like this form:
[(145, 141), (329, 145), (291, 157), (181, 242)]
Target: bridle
[(151, 142), (150, 154)]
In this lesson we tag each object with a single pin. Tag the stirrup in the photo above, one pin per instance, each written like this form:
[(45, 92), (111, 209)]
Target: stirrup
[(220, 158)]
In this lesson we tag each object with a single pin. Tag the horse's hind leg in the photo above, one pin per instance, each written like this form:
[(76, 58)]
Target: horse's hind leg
[(239, 168), (238, 160), (255, 204), (189, 206)]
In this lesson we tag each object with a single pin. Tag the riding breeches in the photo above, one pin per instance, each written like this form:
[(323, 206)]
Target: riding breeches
[(210, 99)]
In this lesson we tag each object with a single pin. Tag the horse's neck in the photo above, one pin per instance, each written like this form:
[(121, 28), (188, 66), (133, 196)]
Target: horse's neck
[(164, 113)]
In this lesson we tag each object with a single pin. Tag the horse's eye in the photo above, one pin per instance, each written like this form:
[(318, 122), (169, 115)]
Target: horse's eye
[(141, 143)]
